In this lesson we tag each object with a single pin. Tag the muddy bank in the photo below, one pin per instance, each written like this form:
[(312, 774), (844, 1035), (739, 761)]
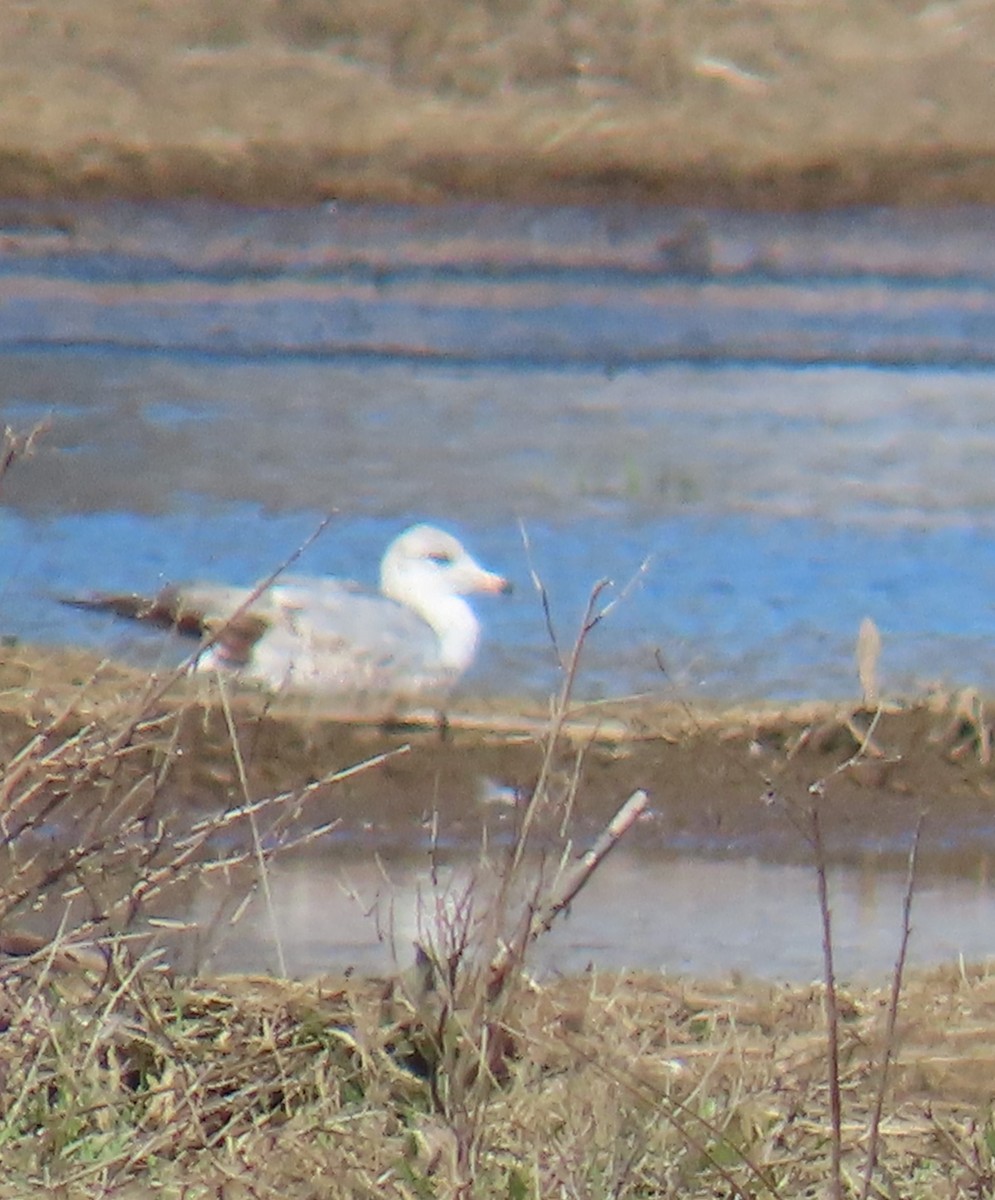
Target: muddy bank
[(792, 106), (146, 808), (736, 780)]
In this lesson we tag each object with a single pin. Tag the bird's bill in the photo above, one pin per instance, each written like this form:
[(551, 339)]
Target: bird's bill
[(492, 584)]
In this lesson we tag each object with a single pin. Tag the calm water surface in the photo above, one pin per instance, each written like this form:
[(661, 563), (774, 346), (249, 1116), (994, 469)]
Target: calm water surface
[(791, 421), (686, 914)]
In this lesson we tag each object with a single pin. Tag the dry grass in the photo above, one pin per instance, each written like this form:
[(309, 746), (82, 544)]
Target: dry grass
[(775, 105), (633, 1086), (464, 1077), (119, 1078)]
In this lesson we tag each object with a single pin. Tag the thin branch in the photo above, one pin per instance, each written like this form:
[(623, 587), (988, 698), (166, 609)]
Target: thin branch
[(257, 845), (15, 446), (567, 885), (832, 1014), (874, 1129), (540, 588)]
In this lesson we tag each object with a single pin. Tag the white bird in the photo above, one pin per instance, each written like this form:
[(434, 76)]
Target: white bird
[(330, 637)]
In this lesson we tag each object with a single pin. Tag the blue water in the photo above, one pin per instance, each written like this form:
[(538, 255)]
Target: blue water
[(733, 606), (799, 436), (798, 440)]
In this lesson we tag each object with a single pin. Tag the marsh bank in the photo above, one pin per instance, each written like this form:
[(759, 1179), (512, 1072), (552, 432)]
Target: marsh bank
[(747, 105)]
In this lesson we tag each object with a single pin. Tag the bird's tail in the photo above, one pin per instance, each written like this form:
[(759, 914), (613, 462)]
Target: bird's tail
[(166, 611)]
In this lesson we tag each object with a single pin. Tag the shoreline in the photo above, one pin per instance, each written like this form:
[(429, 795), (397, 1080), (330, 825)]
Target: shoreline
[(713, 765), (187, 1067), (279, 175)]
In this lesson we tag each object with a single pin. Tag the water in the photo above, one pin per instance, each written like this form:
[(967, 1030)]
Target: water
[(696, 915), (791, 431)]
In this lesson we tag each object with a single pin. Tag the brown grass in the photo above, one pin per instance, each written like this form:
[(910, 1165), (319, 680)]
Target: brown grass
[(631, 1085), (117, 1077), (463, 1078), (804, 104)]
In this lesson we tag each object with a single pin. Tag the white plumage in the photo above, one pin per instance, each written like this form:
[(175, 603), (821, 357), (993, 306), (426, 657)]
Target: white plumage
[(365, 650)]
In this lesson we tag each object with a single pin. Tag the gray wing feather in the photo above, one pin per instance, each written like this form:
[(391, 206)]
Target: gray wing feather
[(333, 636)]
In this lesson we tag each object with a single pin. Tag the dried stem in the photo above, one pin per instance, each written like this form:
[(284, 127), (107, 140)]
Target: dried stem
[(874, 1128), (566, 886), (832, 1013), (15, 446)]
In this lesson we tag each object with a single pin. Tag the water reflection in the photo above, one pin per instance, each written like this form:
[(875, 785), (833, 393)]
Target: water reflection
[(700, 916)]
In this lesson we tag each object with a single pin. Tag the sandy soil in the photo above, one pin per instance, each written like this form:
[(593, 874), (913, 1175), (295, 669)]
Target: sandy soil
[(795, 104)]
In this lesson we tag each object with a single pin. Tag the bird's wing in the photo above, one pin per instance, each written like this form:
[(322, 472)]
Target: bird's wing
[(324, 635), (331, 635)]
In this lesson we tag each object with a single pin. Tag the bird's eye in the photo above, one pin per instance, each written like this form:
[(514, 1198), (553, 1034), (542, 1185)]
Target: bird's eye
[(440, 558)]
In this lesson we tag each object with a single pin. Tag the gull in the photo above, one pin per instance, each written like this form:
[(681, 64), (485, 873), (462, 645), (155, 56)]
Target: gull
[(409, 643)]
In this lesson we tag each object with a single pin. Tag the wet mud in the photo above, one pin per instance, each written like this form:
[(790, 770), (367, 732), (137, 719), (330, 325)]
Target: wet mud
[(720, 781)]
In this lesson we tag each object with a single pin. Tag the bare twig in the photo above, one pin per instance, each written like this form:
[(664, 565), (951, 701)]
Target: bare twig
[(874, 1128), (15, 446), (257, 845), (567, 885), (832, 1013), (541, 591), (570, 885), (557, 719)]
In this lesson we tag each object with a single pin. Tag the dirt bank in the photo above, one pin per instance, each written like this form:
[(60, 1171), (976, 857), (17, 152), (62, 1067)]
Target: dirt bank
[(722, 777), (118, 1076), (800, 105)]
